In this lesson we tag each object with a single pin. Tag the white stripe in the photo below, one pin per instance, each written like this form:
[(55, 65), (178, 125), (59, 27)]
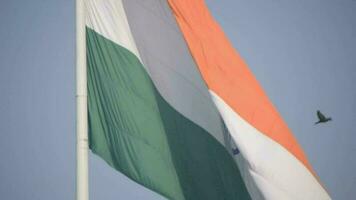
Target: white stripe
[(277, 173), (108, 18)]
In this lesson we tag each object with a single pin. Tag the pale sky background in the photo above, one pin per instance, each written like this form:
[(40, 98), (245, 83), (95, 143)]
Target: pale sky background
[(303, 52)]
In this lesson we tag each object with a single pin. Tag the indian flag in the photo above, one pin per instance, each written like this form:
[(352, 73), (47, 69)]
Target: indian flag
[(173, 106)]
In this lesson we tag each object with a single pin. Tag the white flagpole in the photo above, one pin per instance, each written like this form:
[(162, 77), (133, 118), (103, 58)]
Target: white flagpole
[(81, 98)]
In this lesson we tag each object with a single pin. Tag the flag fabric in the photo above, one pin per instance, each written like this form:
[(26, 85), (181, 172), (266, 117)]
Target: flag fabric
[(174, 107)]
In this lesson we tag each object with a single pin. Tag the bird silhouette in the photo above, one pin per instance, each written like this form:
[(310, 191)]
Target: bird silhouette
[(322, 118)]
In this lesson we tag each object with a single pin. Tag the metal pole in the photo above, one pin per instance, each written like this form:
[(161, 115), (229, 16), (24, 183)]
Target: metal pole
[(81, 98)]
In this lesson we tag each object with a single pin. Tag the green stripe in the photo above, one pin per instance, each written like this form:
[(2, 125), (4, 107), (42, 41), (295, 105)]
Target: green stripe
[(138, 133)]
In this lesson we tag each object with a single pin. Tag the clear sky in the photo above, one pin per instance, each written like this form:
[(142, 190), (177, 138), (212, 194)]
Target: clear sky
[(303, 52)]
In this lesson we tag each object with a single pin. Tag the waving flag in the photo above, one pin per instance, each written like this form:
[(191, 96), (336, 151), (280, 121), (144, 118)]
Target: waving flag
[(173, 106)]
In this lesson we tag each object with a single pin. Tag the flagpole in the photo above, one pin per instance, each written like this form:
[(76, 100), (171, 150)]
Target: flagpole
[(81, 99)]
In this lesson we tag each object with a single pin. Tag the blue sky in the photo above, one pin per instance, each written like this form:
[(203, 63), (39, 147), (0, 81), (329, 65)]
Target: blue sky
[(302, 52)]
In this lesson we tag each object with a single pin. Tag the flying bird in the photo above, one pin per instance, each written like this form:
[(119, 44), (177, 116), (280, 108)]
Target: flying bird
[(322, 118)]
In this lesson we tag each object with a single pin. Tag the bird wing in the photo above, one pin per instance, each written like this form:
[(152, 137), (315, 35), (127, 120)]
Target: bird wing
[(321, 116)]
